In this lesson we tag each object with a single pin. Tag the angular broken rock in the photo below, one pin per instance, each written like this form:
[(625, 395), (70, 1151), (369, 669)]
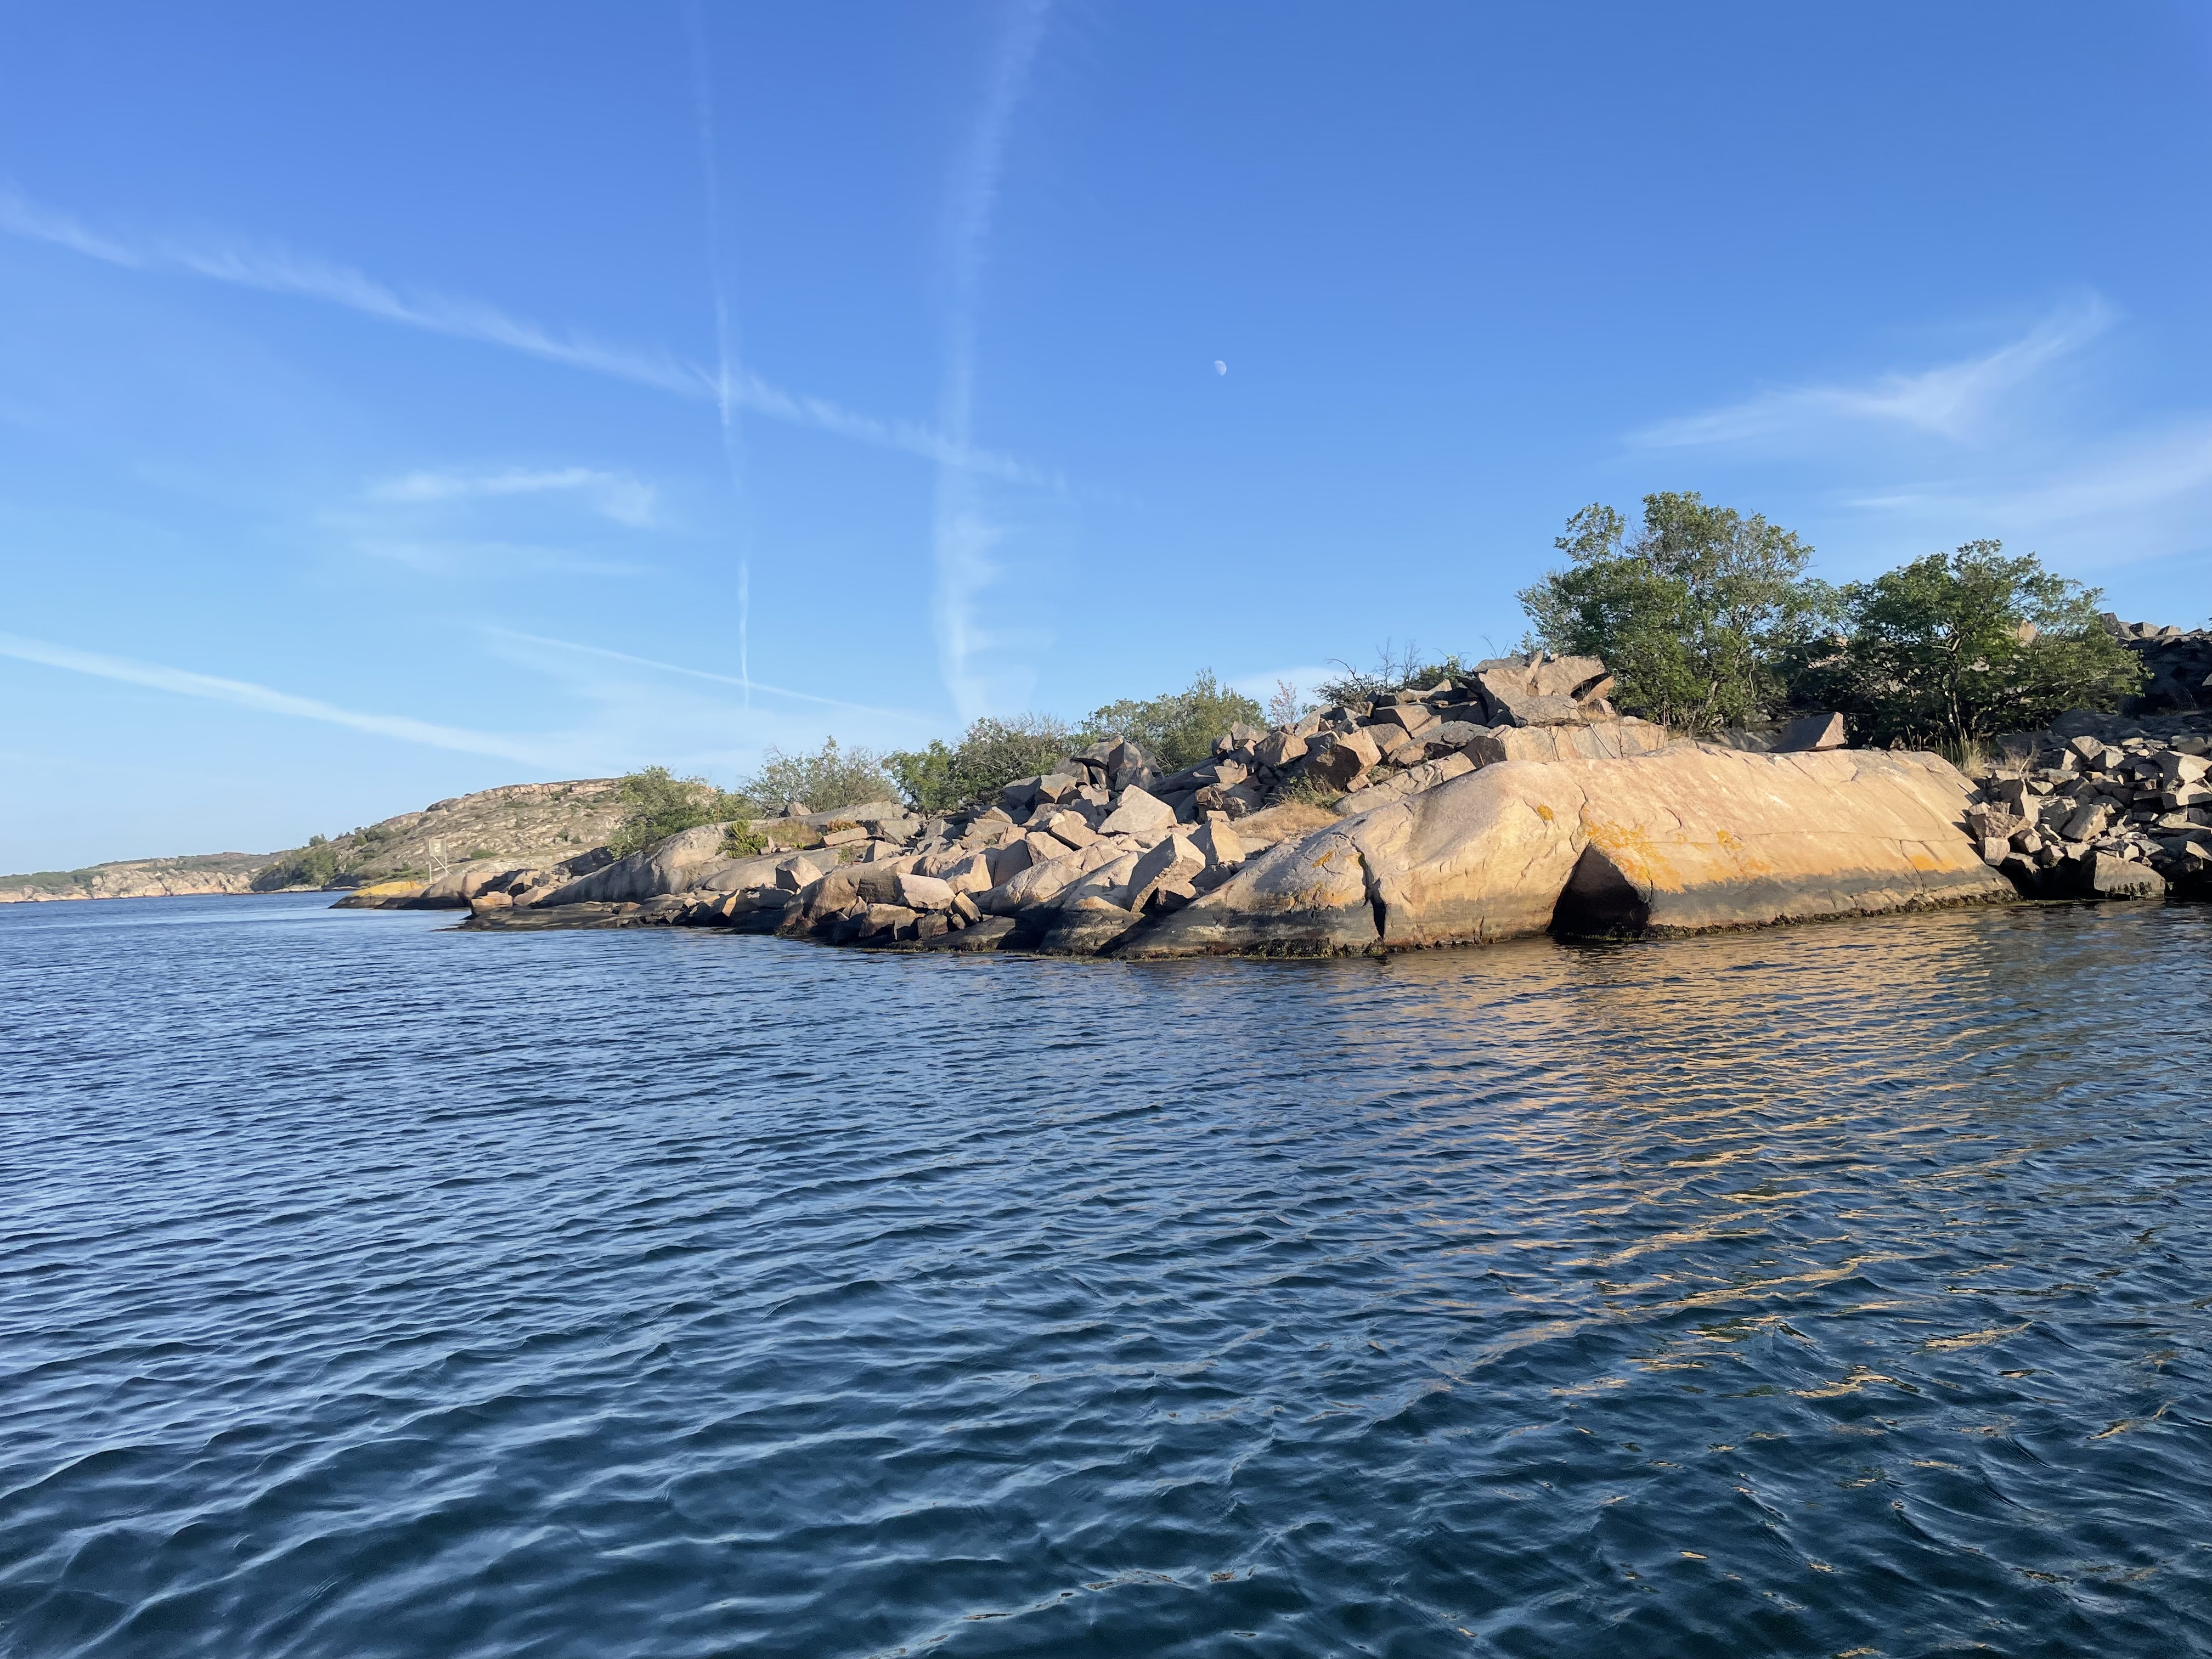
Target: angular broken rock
[(835, 891), (924, 893), (1042, 884), (1987, 818), (1217, 843), (1403, 749), (1173, 863), (970, 873), (1086, 927), (1338, 767), (1139, 810), (1447, 736), (1540, 690), (1280, 749), (1068, 826), (881, 919), (1363, 745), (1811, 733), (1108, 882), (1007, 862), (2086, 822), (2176, 769), (1600, 740), (1407, 717), (1425, 776), (2111, 877), (799, 871)]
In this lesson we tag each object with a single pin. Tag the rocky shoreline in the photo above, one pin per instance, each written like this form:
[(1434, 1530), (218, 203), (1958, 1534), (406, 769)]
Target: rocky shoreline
[(2102, 807), (1509, 800)]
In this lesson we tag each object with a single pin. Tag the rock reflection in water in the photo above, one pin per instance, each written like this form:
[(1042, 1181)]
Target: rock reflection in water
[(375, 1290)]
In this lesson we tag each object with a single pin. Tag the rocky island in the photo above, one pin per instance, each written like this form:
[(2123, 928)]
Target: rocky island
[(1510, 800), (1504, 800)]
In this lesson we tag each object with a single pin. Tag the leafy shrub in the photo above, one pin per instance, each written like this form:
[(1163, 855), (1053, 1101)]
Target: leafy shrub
[(992, 755), (741, 841), (315, 865), (828, 779), (1177, 730), (661, 803)]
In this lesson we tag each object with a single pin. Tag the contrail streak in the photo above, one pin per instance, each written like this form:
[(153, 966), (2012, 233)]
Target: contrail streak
[(702, 674), (244, 693), (702, 103), (277, 270), (961, 534)]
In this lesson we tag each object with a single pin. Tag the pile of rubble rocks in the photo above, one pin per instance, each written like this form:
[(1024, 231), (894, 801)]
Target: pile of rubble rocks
[(2177, 665), (1070, 859), (1106, 843), (2102, 807), (1104, 839)]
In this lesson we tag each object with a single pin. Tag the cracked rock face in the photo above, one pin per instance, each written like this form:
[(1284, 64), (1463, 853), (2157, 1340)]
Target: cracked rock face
[(1688, 838)]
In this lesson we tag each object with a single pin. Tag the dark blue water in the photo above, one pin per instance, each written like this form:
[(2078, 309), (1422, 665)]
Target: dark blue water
[(371, 1289)]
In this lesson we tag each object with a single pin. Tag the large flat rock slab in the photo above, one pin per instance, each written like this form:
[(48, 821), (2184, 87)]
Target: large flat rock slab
[(1688, 838)]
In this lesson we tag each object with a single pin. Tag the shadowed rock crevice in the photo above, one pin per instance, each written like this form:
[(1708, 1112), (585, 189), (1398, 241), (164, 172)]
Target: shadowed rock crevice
[(1599, 901), (1376, 902)]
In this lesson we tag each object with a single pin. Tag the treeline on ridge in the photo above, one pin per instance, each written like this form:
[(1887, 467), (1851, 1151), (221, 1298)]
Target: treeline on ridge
[(1708, 618)]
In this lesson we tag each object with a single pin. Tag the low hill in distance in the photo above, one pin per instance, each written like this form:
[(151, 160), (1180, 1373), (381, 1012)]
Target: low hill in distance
[(518, 823)]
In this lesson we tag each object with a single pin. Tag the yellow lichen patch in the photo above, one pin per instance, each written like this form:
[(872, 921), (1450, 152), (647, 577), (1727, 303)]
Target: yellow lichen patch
[(1543, 811), (1740, 854), (1633, 852)]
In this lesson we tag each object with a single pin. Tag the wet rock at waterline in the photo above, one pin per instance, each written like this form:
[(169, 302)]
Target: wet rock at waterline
[(1509, 800), (1689, 838)]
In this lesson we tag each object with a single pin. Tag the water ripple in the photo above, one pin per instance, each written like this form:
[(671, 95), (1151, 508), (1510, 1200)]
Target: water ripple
[(369, 1289)]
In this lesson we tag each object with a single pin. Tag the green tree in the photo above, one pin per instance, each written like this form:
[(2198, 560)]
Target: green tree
[(1697, 612), (1955, 647), (1177, 730), (660, 804), (827, 780), (992, 754), (315, 865)]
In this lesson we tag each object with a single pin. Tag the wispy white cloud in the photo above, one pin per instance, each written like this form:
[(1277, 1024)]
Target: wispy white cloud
[(616, 496), (2108, 500), (243, 693), (1954, 400), (482, 559), (276, 269), (962, 534)]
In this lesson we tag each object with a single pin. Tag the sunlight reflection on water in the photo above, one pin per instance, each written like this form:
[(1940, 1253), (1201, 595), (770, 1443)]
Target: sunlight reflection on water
[(373, 1288)]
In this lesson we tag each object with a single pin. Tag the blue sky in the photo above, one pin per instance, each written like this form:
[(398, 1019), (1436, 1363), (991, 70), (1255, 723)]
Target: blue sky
[(398, 401)]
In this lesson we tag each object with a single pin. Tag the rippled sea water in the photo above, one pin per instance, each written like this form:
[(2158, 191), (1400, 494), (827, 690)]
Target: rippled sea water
[(368, 1288)]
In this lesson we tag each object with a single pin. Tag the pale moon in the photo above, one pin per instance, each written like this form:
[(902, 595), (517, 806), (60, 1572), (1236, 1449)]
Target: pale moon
[(1220, 368)]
